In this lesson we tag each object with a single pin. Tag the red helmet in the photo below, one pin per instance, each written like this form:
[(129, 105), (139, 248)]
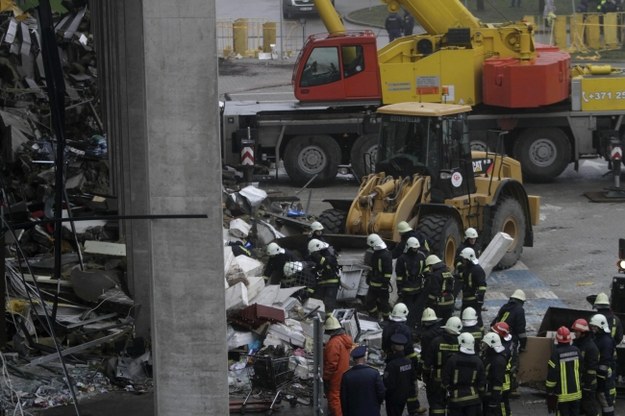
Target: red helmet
[(563, 336), (580, 325), (503, 330)]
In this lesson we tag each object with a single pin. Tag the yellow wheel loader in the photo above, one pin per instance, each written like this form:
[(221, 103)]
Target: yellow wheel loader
[(427, 175)]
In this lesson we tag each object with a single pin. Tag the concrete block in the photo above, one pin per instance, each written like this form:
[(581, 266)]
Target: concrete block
[(239, 228), (285, 293), (228, 259), (249, 266), (311, 304), (103, 247), (267, 296), (236, 297), (266, 233), (290, 332), (495, 251), (237, 339), (255, 284)]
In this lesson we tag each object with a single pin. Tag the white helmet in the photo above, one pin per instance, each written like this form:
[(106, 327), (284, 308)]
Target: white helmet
[(470, 233), (518, 294), (493, 340), (315, 245), (400, 312), (273, 249), (598, 320), (601, 300), (429, 315), (467, 343), (453, 325), (469, 254), (432, 259), (331, 323), (403, 227), (292, 267), (469, 316), (316, 226), (375, 242), (412, 242)]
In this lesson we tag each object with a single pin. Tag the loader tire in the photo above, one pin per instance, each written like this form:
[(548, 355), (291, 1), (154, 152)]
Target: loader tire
[(364, 154), (307, 156), (443, 234), (509, 218), (543, 153), (333, 221)]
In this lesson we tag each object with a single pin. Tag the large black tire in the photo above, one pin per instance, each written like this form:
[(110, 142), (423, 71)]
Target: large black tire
[(543, 153), (508, 217), (443, 235), (333, 221), (364, 154), (307, 156)]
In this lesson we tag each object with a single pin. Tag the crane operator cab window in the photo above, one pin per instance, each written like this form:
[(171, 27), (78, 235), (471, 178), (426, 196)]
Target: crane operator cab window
[(322, 67), (353, 60), (438, 147)]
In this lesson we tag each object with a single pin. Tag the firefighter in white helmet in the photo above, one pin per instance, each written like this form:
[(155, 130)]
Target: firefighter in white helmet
[(471, 325), (278, 256), (606, 387), (464, 378), (328, 272), (470, 241), (379, 278), (513, 314), (473, 280), (405, 232), (409, 270), (496, 397), (439, 287), (434, 360)]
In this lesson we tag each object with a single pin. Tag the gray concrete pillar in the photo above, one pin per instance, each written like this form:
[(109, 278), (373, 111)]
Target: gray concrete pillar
[(160, 80)]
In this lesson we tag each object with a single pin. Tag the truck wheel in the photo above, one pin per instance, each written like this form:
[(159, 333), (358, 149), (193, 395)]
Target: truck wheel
[(543, 153), (509, 218), (307, 156), (364, 154), (333, 221), (443, 235)]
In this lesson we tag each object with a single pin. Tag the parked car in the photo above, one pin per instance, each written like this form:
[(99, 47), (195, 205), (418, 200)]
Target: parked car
[(297, 8)]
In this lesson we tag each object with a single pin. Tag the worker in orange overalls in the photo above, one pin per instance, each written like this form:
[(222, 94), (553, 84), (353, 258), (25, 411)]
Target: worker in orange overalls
[(335, 363)]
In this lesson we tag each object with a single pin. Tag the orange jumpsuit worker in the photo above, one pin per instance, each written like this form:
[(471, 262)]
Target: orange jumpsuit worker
[(335, 363)]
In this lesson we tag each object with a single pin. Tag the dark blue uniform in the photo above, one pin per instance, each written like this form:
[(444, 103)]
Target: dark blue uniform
[(362, 391), (400, 382)]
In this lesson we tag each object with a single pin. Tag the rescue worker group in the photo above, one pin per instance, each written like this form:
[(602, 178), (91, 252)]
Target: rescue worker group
[(468, 368)]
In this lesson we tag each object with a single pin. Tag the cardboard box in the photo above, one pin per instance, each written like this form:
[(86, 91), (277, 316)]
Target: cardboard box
[(533, 362)]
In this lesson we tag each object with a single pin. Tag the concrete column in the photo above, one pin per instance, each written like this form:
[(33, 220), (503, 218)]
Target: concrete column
[(158, 64)]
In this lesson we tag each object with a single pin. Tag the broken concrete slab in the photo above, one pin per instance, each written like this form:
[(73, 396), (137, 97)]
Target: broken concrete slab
[(268, 295), (236, 297), (255, 285), (106, 248), (237, 339), (239, 228), (494, 252), (249, 266)]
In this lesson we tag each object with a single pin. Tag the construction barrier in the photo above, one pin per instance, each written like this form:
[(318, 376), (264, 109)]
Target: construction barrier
[(257, 38), (583, 32)]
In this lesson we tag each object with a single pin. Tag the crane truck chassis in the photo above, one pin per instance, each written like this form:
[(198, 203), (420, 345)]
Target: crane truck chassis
[(552, 114)]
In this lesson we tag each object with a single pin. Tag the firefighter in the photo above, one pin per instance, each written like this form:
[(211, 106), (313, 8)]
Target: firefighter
[(606, 388), (278, 256), (316, 232), (497, 369), (564, 391), (470, 241), (471, 325), (327, 269), (408, 24), (473, 280), (300, 273), (400, 380), (335, 362), (503, 330), (439, 287), (428, 330), (513, 314), (588, 366), (240, 248), (410, 281), (405, 232), (397, 325), (464, 380), (379, 278), (441, 348), (602, 305)]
